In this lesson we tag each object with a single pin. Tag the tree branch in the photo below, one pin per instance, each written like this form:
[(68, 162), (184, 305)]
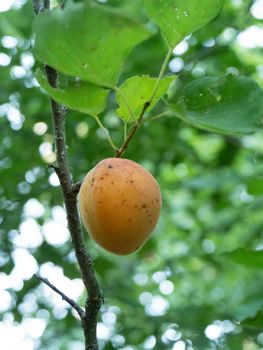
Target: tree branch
[(134, 129), (70, 301), (37, 6), (94, 300)]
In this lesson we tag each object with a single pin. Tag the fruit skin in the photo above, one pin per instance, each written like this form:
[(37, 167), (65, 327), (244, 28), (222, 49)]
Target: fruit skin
[(119, 203)]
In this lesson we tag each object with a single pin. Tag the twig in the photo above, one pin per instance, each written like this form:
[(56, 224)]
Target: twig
[(94, 299), (70, 301), (136, 126), (76, 187), (37, 6), (124, 146)]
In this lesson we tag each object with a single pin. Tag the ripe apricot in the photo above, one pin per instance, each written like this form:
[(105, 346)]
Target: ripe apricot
[(119, 203)]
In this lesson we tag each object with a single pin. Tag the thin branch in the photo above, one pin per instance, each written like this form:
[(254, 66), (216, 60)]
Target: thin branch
[(94, 300), (76, 187), (124, 146), (136, 126), (70, 301), (37, 6)]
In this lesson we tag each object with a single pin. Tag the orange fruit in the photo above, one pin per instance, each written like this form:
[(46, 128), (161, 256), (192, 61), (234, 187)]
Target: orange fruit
[(119, 203)]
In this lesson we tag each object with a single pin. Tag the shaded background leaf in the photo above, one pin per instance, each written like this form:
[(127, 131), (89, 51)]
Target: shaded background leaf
[(248, 258), (229, 105)]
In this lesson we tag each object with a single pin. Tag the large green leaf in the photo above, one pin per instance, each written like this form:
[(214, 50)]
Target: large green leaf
[(135, 92), (87, 41), (79, 95), (178, 18), (248, 258), (228, 105)]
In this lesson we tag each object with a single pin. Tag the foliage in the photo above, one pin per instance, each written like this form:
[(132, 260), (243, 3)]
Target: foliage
[(185, 278)]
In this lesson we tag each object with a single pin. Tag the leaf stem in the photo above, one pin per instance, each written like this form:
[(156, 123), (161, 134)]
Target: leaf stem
[(157, 116), (106, 133), (125, 130), (161, 74)]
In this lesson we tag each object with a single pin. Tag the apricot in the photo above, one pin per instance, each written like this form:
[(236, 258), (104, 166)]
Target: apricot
[(119, 203)]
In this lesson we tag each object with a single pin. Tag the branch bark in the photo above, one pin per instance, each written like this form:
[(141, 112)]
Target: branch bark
[(134, 129), (70, 191), (70, 301)]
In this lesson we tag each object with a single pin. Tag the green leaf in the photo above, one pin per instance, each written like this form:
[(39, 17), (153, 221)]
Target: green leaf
[(135, 92), (255, 186), (248, 258), (79, 95), (254, 322), (227, 105), (87, 41), (16, 22), (178, 18)]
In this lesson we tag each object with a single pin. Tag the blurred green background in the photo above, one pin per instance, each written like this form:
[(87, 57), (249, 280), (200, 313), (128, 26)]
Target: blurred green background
[(179, 292)]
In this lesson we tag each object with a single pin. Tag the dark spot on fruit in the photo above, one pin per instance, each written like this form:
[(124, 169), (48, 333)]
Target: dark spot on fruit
[(112, 182), (110, 166), (136, 206), (151, 222), (102, 178), (144, 206), (149, 215), (157, 200), (93, 179), (131, 181), (130, 220)]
